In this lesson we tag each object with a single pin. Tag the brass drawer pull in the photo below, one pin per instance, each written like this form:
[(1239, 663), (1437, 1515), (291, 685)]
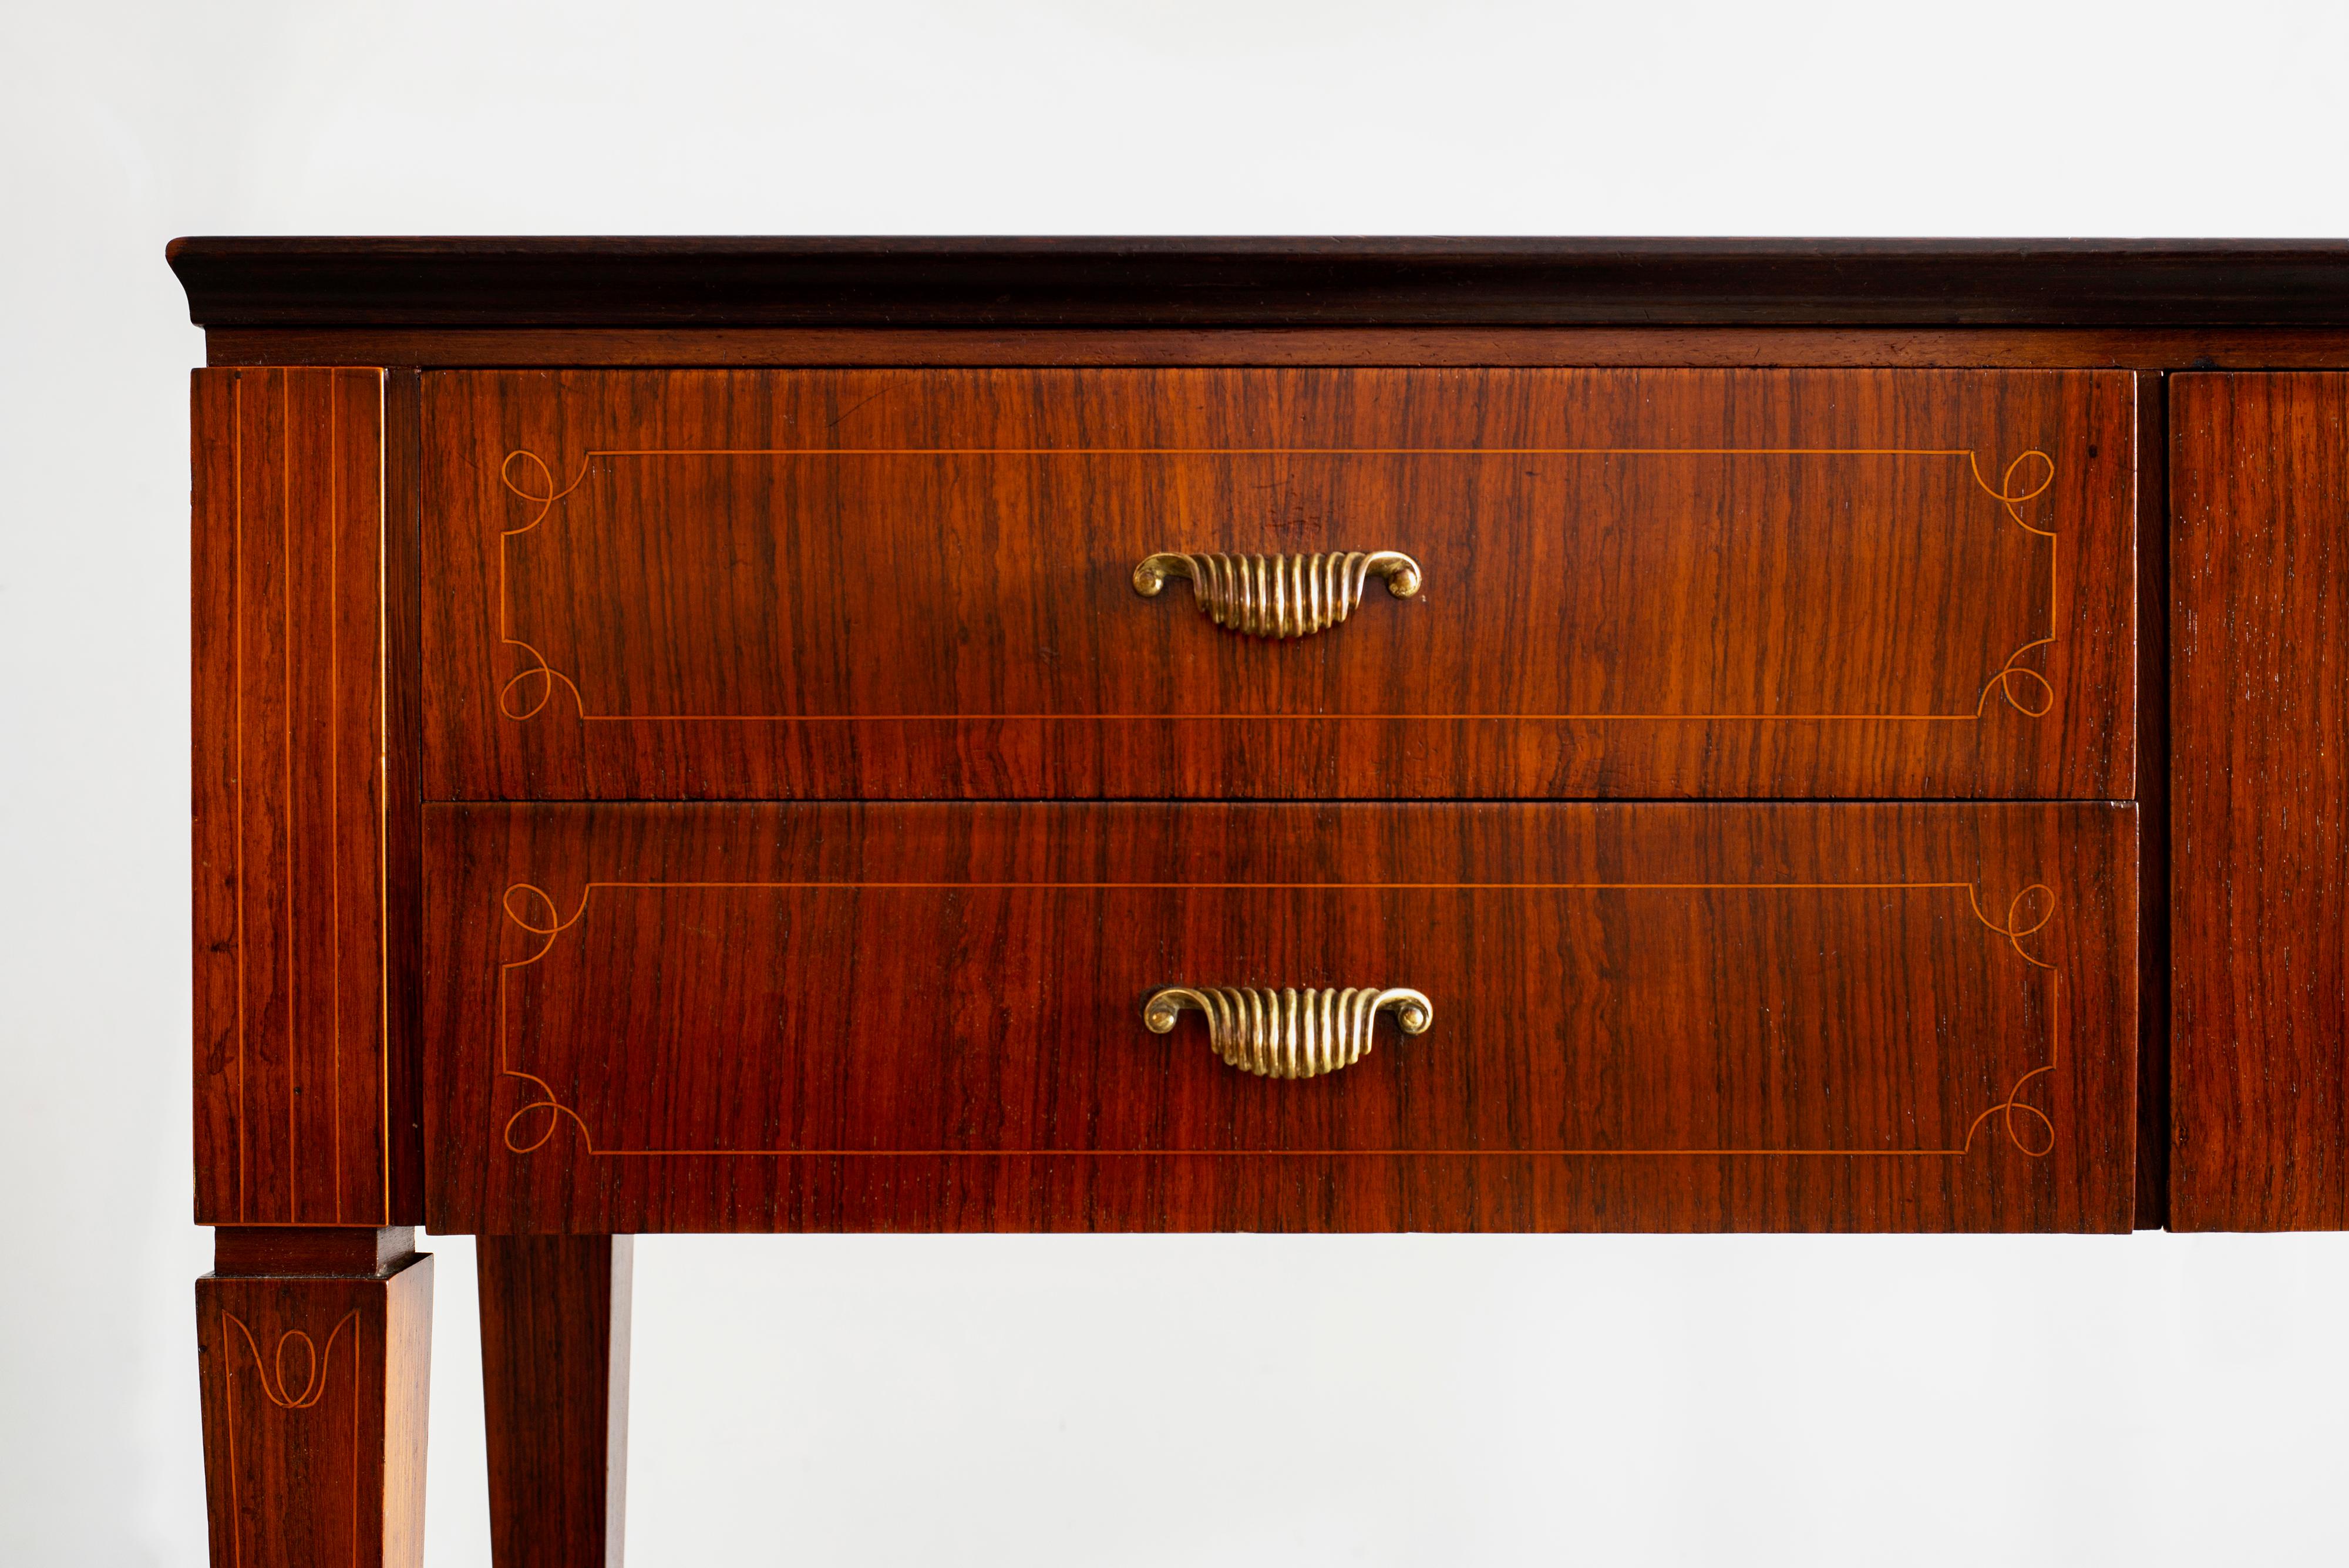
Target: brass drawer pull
[(1289, 1034), (1278, 596)]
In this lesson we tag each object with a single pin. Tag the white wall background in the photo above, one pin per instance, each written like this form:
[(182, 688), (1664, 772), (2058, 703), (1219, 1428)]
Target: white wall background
[(1046, 1401)]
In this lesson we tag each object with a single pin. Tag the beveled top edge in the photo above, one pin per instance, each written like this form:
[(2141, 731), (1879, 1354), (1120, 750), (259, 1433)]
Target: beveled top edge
[(1110, 282)]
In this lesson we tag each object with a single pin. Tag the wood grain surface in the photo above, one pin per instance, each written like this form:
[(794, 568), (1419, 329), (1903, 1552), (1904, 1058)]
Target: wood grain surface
[(2259, 707), (403, 782), (926, 1017), (309, 1249), (298, 1085), (555, 1393), (1675, 348), (917, 584), (1265, 280), (2152, 797), (313, 1394)]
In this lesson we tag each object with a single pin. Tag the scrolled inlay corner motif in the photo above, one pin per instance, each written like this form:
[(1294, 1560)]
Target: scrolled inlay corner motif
[(2025, 480), (1289, 1032), (2028, 1127), (533, 909), (1278, 596), (515, 1134), (528, 691)]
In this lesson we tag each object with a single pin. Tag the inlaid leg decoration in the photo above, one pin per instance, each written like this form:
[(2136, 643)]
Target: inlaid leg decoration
[(315, 1351)]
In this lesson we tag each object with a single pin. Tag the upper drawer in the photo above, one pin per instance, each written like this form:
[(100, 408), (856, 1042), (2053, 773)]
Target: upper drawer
[(914, 584)]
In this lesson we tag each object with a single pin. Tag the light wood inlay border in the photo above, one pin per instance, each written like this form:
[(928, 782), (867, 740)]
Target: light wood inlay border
[(2013, 931), (2011, 492)]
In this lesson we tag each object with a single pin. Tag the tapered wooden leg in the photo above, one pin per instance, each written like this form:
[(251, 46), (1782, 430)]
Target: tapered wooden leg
[(314, 1349), (555, 1388)]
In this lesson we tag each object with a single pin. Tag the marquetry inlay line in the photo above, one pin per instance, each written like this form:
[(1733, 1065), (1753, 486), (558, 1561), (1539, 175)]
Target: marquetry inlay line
[(314, 1389), (540, 671), (380, 722), (237, 619), (334, 763), (286, 668), (543, 920)]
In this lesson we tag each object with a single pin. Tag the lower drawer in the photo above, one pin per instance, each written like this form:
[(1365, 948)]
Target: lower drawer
[(936, 1016)]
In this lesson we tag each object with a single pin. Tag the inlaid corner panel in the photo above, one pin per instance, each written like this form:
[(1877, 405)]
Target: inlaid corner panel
[(921, 584), (301, 849), (1138, 1016)]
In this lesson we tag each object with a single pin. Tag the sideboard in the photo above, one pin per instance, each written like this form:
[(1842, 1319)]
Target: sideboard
[(836, 734)]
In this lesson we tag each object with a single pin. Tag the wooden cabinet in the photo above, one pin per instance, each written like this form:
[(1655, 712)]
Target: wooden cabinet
[(1287, 735)]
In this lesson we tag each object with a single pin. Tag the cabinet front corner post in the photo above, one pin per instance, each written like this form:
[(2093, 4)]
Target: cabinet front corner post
[(313, 1332)]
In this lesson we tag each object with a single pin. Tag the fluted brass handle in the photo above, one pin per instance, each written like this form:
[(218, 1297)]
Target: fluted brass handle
[(1278, 596), (1289, 1033)]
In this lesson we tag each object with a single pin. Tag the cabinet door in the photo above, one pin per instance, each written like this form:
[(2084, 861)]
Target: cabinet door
[(2260, 885)]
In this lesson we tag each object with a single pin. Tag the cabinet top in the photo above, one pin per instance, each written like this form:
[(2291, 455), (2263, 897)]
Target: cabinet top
[(1257, 282)]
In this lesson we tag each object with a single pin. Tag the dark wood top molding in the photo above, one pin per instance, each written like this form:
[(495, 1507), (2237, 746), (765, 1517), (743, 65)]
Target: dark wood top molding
[(1257, 282)]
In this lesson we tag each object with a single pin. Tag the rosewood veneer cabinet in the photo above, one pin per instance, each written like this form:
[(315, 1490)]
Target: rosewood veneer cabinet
[(765, 735)]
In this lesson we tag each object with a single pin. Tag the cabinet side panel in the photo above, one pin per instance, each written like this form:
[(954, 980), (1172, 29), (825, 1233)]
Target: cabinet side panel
[(2153, 804), (214, 458), (2260, 704)]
